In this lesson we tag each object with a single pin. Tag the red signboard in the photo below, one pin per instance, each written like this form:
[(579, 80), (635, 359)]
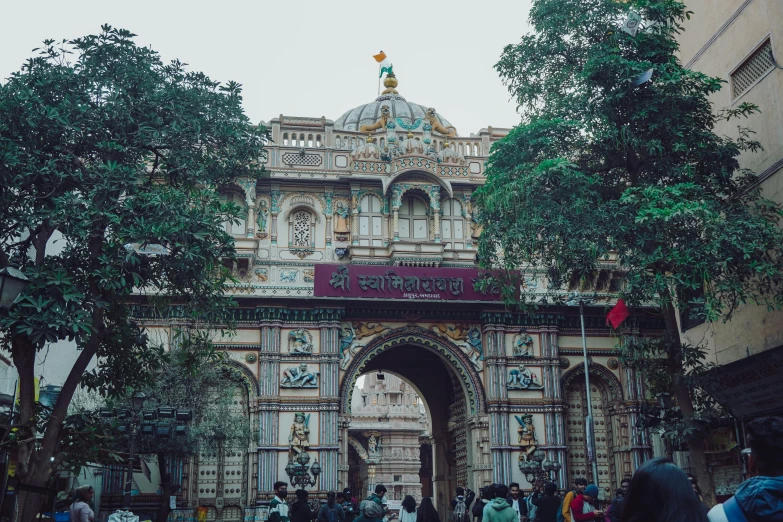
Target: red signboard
[(387, 282)]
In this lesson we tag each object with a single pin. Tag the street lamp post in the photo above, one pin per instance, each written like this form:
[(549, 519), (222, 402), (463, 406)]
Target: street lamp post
[(539, 467), (589, 422), (299, 472)]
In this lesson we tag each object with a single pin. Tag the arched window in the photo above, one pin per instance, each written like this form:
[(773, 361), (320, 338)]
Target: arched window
[(238, 227), (461, 150), (370, 222), (452, 224), (301, 229), (285, 139), (309, 140), (476, 150), (318, 140), (414, 218)]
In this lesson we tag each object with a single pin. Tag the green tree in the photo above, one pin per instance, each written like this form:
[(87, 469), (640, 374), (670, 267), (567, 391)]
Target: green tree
[(194, 377), (103, 146), (606, 165)]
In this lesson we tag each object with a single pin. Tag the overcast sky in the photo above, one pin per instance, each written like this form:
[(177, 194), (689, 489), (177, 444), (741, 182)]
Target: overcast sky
[(307, 57)]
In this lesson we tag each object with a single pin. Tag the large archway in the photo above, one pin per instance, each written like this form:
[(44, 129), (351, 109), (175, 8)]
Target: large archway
[(447, 381)]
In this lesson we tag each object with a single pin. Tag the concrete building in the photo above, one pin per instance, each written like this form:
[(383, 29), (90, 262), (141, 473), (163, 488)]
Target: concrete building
[(739, 42)]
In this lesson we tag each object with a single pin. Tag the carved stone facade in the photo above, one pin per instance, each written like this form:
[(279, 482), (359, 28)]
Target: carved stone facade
[(399, 196)]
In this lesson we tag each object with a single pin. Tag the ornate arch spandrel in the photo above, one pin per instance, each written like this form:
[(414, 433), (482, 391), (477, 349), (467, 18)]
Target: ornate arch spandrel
[(358, 447), (244, 376), (399, 177), (451, 354), (609, 379)]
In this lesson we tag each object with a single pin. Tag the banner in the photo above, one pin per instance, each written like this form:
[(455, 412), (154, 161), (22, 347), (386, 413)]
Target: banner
[(386, 282)]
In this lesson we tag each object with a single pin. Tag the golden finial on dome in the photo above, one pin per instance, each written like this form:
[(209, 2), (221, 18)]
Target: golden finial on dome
[(369, 138), (390, 82), (410, 134)]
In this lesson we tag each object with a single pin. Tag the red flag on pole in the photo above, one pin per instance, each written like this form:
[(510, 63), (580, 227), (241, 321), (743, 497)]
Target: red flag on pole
[(618, 314)]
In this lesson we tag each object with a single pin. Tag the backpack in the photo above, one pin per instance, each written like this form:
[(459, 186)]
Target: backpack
[(478, 508), (460, 511), (560, 517), (331, 515)]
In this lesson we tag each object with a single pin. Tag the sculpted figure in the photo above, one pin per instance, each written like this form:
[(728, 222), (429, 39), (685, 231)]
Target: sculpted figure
[(341, 225), (380, 123), (299, 439), (522, 345), (527, 434), (299, 377), (299, 342), (522, 379), (437, 126), (457, 332)]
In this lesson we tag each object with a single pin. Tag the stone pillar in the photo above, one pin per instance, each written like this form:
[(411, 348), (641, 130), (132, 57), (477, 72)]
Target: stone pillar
[(268, 407), (468, 215), (274, 210), (396, 224), (497, 397), (555, 420), (329, 399), (328, 213), (435, 206), (386, 229), (354, 215), (251, 219)]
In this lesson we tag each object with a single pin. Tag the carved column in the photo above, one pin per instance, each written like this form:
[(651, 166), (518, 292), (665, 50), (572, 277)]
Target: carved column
[(468, 215), (268, 405), (554, 420), (274, 210), (497, 397), (395, 203), (354, 215), (330, 401), (435, 205), (328, 212)]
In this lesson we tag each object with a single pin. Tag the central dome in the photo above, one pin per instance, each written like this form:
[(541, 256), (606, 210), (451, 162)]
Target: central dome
[(402, 111)]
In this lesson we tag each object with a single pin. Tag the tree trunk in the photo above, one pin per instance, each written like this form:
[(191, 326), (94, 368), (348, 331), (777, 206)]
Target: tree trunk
[(165, 489), (682, 395)]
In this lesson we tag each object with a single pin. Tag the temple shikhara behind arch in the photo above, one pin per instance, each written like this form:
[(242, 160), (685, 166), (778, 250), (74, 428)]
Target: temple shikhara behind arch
[(357, 257)]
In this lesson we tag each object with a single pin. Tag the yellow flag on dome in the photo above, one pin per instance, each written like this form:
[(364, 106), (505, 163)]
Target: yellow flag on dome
[(385, 64)]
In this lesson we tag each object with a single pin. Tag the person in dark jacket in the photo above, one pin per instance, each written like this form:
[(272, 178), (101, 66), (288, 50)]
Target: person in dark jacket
[(466, 498), (371, 511), (615, 507), (760, 497), (516, 499), (332, 511), (547, 504), (300, 510), (485, 496), (350, 508), (427, 511)]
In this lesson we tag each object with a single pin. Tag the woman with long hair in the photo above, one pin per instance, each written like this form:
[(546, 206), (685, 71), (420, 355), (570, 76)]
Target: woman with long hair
[(660, 491), (408, 509), (427, 511)]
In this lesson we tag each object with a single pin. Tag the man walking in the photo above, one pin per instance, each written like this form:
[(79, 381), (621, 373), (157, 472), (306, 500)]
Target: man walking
[(278, 508), (760, 497), (332, 511), (460, 505), (499, 509), (579, 487), (517, 502), (377, 497)]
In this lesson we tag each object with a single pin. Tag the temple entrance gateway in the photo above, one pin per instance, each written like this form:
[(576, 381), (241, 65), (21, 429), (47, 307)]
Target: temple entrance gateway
[(447, 426)]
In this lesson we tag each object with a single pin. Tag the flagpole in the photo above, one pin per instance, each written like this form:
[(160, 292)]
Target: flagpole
[(379, 79), (589, 432)]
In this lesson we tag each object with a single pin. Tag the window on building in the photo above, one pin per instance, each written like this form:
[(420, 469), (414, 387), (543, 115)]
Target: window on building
[(301, 229), (414, 219), (237, 226), (758, 64), (452, 224), (370, 222)]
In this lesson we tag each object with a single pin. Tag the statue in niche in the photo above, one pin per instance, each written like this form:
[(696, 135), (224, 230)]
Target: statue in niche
[(346, 336), (374, 445), (299, 377), (261, 219), (299, 438), (341, 224), (527, 435), (523, 345), (300, 342), (522, 379)]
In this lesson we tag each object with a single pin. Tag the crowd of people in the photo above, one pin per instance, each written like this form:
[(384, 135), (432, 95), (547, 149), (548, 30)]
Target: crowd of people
[(659, 491)]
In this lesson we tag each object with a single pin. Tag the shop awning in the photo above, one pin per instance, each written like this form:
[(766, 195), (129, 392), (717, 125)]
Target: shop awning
[(751, 387)]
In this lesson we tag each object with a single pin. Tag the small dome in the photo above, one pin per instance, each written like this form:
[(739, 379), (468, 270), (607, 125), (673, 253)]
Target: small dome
[(401, 111)]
